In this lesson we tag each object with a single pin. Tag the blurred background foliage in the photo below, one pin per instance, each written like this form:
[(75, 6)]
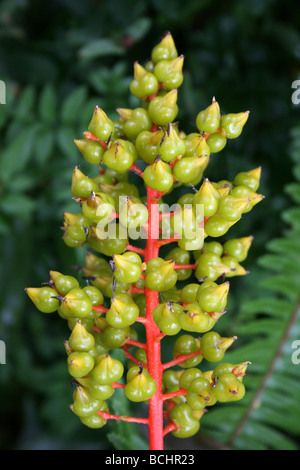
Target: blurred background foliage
[(58, 60)]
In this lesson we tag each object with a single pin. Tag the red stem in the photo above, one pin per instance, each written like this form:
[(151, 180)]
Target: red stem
[(153, 347), (128, 419), (180, 359)]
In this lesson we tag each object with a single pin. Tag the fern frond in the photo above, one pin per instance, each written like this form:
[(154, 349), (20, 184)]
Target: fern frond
[(269, 328)]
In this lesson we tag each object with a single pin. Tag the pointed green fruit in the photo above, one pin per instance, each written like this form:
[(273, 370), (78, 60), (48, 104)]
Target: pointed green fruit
[(165, 49), (92, 150), (250, 179), (107, 370), (44, 298), (213, 346), (187, 425), (209, 119), (169, 72), (80, 339), (209, 196), (101, 126), (232, 124), (163, 109), (82, 186), (140, 386), (158, 176), (144, 83)]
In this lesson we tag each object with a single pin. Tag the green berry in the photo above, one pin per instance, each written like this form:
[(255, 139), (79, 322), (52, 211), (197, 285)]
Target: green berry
[(44, 298), (80, 363), (187, 425), (213, 346), (140, 386), (209, 119)]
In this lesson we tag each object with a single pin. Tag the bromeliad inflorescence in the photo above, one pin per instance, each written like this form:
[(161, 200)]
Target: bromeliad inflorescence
[(152, 270)]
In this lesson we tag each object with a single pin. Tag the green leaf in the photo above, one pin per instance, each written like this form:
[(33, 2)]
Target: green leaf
[(16, 155), (48, 104), (73, 104), (17, 205), (100, 48), (43, 145)]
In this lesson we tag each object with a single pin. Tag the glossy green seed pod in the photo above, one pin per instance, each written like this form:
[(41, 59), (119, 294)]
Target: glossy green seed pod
[(187, 344), (209, 197), (163, 109), (180, 256), (187, 425), (169, 72), (63, 284), (123, 311), (171, 379), (83, 404), (196, 145), (107, 370), (101, 126), (216, 142), (223, 368), (231, 208), (250, 179), (140, 386), (213, 346), (158, 176), (216, 226), (119, 156), (44, 298), (212, 297), (112, 338), (189, 293), (76, 304), (80, 363), (209, 119), (238, 248), (244, 192), (188, 376), (228, 388), (109, 243), (95, 421), (165, 49), (160, 274), (194, 319), (94, 294), (127, 267), (132, 212), (166, 316), (134, 121), (98, 208), (80, 339), (215, 247), (200, 394), (189, 168), (144, 82), (236, 268), (171, 145), (232, 124), (92, 150), (96, 390), (77, 226), (210, 267), (147, 144), (81, 185)]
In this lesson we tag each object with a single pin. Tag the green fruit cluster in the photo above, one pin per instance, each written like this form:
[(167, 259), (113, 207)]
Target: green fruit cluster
[(147, 144)]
